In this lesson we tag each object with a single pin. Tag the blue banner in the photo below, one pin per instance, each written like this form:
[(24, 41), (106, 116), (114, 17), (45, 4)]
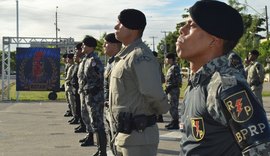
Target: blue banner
[(37, 69)]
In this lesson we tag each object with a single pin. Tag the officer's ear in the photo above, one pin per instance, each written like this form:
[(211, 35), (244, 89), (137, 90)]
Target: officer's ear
[(216, 42)]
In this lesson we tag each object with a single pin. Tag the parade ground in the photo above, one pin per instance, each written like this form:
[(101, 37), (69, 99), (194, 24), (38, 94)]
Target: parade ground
[(40, 129)]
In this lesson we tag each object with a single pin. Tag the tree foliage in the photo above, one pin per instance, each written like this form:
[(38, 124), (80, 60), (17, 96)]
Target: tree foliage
[(253, 28)]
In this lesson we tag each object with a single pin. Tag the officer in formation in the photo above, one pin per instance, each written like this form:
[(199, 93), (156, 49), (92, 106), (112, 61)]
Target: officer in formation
[(111, 47), (67, 65), (69, 89), (75, 86), (92, 93), (173, 81), (221, 116), (136, 95), (255, 74)]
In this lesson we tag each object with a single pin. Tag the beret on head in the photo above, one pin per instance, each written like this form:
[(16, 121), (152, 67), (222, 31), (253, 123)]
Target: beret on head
[(65, 55), (255, 52), (70, 56), (170, 56), (218, 19), (132, 19), (111, 38), (90, 41), (79, 46)]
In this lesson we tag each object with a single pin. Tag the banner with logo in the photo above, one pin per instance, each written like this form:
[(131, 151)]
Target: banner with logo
[(37, 69)]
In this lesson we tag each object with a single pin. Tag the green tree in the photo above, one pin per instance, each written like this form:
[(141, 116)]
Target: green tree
[(253, 25)]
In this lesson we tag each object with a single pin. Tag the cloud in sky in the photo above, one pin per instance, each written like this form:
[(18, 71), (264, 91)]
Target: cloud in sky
[(79, 18)]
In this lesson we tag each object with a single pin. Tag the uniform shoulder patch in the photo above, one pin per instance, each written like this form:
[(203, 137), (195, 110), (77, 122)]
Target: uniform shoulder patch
[(197, 125), (142, 58), (239, 106)]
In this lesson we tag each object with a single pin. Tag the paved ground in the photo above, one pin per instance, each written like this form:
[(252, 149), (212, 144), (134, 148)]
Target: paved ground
[(39, 129)]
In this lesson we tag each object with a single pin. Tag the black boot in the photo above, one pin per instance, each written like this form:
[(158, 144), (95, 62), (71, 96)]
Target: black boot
[(84, 139), (88, 140), (101, 143), (168, 125), (75, 121), (71, 120), (80, 129), (174, 125), (160, 118), (68, 113)]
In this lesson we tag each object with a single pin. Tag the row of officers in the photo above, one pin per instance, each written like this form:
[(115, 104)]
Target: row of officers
[(79, 102), (220, 114)]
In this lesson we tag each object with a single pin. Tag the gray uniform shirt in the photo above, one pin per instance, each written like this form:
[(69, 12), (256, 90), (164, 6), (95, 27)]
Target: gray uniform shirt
[(135, 87)]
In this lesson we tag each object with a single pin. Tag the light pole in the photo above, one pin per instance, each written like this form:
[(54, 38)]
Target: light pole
[(56, 28), (17, 25), (153, 37)]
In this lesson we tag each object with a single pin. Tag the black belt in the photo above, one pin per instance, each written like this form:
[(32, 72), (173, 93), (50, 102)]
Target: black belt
[(127, 123), (140, 122)]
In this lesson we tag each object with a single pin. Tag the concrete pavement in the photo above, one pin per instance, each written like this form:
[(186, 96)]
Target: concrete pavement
[(39, 129)]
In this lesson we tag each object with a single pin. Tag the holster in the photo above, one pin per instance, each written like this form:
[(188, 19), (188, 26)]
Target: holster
[(127, 123)]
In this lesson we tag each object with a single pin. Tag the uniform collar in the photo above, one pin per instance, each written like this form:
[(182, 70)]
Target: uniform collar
[(128, 49), (90, 54), (208, 70), (111, 59)]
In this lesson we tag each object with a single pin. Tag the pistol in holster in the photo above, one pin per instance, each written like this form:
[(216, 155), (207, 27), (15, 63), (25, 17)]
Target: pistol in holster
[(127, 123)]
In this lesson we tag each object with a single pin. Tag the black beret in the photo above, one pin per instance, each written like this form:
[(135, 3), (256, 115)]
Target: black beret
[(90, 41), (70, 56), (132, 19), (79, 46), (65, 55), (255, 52), (170, 56), (218, 19), (111, 38)]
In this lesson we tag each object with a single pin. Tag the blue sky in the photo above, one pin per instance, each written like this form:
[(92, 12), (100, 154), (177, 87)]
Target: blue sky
[(79, 18)]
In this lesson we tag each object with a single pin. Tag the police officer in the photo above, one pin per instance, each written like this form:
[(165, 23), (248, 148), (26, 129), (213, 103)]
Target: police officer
[(92, 92), (136, 94), (111, 47), (255, 74), (75, 86), (173, 81), (67, 65), (221, 116), (88, 140), (68, 89)]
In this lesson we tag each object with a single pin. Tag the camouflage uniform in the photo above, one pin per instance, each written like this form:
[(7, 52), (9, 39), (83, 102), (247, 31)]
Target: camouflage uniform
[(75, 95), (219, 103), (235, 61), (255, 78), (84, 112), (173, 81), (92, 90)]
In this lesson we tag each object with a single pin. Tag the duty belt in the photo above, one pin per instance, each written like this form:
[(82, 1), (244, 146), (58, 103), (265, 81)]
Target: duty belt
[(127, 123)]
